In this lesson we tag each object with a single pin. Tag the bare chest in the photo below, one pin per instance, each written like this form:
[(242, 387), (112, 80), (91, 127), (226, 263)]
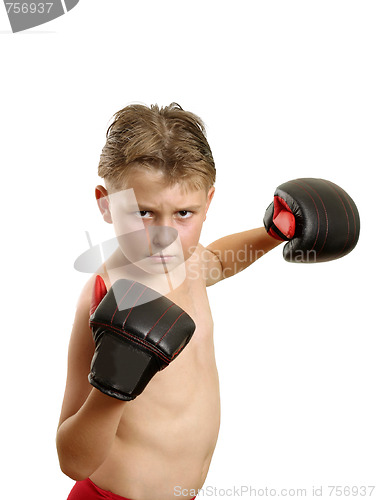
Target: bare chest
[(192, 298)]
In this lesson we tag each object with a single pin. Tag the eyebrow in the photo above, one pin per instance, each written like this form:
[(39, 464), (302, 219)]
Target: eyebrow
[(145, 206)]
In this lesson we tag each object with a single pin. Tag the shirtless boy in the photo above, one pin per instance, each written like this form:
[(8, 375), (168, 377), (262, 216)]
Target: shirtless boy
[(118, 441)]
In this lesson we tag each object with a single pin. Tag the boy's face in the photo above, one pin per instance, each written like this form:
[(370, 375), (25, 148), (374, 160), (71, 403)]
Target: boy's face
[(158, 226)]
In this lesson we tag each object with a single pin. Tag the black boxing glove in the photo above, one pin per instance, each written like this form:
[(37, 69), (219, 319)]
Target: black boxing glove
[(137, 332), (319, 220)]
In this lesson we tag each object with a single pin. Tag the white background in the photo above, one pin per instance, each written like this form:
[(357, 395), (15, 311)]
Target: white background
[(286, 89)]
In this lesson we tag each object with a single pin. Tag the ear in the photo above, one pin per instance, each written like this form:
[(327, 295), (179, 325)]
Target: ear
[(209, 199), (103, 202)]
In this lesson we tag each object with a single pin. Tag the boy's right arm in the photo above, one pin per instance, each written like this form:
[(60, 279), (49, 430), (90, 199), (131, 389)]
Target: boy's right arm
[(89, 419), (137, 333)]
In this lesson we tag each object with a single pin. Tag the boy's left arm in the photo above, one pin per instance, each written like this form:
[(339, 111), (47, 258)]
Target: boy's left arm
[(234, 253)]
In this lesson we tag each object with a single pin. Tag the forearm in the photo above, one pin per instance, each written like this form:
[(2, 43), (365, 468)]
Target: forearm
[(238, 251), (84, 439)]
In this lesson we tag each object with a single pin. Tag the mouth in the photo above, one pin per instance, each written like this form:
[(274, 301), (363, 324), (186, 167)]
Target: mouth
[(162, 259)]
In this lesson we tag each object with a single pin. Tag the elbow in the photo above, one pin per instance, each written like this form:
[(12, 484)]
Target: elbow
[(73, 469), (73, 473), (71, 465)]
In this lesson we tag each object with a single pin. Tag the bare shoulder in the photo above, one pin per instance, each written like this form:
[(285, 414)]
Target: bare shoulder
[(80, 353), (210, 265), (84, 297)]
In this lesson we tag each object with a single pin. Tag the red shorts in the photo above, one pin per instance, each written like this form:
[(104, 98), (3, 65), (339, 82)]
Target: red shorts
[(87, 490)]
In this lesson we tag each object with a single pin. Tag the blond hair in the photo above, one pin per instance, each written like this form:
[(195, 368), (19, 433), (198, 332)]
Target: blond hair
[(165, 138)]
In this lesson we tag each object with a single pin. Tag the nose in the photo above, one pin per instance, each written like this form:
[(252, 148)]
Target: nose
[(161, 237)]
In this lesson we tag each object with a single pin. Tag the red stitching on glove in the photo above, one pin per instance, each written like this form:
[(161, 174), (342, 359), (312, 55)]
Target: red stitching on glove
[(330, 184), (138, 340), (317, 213), (169, 307), (118, 304), (180, 315), (354, 218), (131, 309)]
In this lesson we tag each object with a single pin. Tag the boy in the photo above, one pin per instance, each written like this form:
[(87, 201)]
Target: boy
[(159, 178)]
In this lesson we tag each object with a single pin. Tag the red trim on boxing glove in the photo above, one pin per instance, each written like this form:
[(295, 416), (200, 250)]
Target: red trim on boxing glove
[(283, 218), (99, 291), (272, 233)]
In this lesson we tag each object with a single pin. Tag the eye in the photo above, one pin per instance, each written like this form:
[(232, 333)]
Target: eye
[(143, 214), (184, 214)]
